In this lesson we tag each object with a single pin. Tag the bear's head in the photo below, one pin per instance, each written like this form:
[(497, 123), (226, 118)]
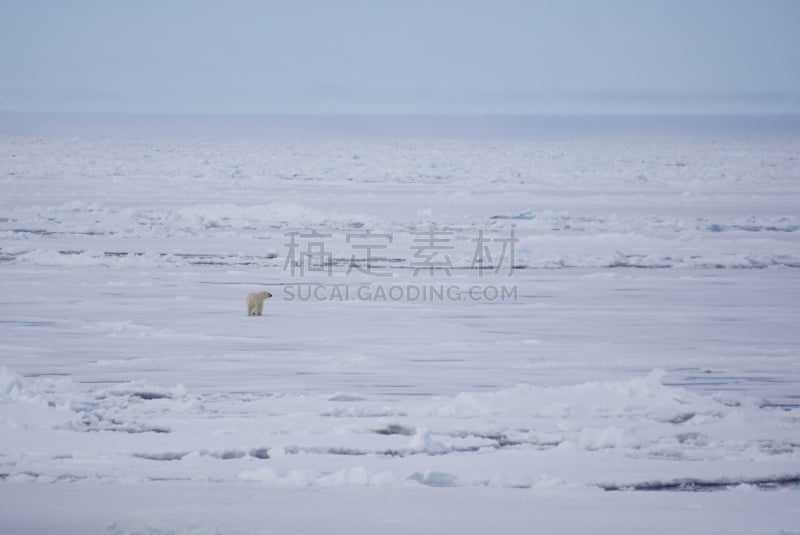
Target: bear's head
[(265, 295)]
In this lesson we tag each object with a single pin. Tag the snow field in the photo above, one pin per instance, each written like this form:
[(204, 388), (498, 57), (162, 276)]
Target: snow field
[(650, 343)]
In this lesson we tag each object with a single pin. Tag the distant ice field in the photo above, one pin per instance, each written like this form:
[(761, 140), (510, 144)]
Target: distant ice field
[(473, 327)]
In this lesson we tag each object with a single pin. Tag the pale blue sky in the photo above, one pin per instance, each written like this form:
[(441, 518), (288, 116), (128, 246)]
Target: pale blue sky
[(421, 57)]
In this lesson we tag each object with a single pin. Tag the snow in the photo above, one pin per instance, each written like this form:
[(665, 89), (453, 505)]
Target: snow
[(640, 347)]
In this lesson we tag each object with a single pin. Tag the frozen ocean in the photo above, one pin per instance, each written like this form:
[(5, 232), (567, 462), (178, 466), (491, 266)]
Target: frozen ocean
[(532, 325)]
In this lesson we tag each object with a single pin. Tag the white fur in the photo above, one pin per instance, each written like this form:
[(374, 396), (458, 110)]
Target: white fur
[(255, 303)]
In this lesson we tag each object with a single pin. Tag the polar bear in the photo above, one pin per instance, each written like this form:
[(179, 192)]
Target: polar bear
[(255, 302)]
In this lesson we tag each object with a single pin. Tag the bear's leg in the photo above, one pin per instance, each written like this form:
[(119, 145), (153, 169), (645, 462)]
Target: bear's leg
[(260, 308)]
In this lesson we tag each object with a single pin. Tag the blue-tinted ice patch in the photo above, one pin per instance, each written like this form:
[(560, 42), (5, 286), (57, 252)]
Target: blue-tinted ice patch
[(22, 323), (714, 380), (432, 478), (345, 398), (717, 227), (525, 216)]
